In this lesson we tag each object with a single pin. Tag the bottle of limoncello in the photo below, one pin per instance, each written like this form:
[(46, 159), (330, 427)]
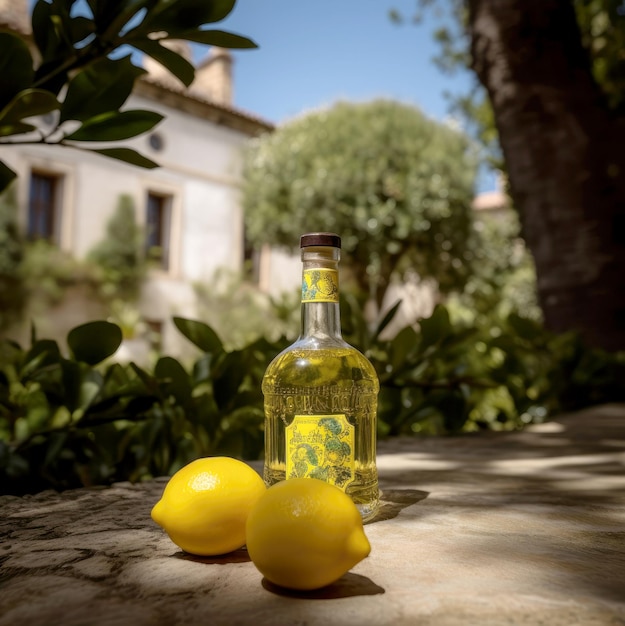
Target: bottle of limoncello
[(321, 393)]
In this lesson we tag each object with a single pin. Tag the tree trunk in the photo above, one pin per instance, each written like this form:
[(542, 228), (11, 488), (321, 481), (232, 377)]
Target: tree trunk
[(565, 160)]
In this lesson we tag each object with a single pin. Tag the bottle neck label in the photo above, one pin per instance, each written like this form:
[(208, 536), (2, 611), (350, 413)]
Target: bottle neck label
[(321, 446), (320, 285)]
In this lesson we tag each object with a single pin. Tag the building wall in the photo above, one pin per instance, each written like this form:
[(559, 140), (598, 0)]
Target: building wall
[(200, 171)]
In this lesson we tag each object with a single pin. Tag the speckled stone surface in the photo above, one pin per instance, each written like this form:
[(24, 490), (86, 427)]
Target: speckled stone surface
[(495, 529)]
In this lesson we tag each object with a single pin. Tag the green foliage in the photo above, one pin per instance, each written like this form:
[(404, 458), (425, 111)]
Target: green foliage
[(503, 279), (445, 377), (602, 30), (602, 26), (67, 421), (119, 254), (240, 313), (86, 74), (47, 271), (72, 421), (12, 292), (396, 185)]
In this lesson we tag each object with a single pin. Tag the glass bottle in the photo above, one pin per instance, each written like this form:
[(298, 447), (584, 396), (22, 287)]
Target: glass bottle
[(321, 393)]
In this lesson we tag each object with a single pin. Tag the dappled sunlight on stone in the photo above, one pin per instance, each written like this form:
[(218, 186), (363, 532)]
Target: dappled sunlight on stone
[(580, 462), (409, 462), (519, 528)]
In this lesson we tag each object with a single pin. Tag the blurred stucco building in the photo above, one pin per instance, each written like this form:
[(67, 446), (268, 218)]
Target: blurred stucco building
[(189, 208)]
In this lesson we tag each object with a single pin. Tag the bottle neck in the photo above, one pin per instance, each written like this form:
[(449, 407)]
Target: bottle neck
[(321, 319)]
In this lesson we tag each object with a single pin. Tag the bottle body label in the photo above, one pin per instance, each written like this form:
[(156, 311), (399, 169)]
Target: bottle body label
[(321, 446), (320, 285)]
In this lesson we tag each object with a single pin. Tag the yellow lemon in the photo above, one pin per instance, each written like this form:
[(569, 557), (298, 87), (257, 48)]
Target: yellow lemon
[(304, 533), (205, 505)]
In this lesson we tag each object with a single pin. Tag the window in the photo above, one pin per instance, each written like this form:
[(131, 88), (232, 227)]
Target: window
[(158, 226), (156, 141), (43, 206)]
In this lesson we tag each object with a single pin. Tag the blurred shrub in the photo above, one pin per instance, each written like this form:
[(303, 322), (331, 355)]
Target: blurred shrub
[(119, 254), (12, 292), (73, 421), (67, 421), (47, 271), (445, 377), (240, 313), (503, 277)]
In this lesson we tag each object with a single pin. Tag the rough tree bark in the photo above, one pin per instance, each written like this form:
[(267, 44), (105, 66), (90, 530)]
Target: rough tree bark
[(565, 160)]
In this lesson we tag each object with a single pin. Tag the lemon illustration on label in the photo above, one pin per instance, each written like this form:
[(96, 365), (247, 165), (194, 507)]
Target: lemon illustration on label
[(321, 446), (320, 285)]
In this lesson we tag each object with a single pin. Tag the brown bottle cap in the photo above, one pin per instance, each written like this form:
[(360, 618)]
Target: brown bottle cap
[(320, 239)]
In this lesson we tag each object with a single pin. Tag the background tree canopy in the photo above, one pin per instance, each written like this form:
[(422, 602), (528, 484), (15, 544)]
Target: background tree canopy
[(396, 185), (554, 75)]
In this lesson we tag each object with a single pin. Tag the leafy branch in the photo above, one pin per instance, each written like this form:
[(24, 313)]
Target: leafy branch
[(86, 75)]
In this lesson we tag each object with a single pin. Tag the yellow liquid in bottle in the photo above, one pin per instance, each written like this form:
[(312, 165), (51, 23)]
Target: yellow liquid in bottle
[(328, 381)]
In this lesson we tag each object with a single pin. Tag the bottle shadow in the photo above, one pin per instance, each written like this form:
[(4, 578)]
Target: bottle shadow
[(392, 501)]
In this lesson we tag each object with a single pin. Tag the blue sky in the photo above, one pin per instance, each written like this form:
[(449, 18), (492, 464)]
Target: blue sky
[(314, 52)]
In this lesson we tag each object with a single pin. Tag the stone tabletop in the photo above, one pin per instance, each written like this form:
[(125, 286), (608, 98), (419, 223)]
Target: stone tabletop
[(522, 528)]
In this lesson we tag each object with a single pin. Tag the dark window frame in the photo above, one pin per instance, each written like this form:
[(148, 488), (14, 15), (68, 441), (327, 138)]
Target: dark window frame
[(158, 228), (44, 207)]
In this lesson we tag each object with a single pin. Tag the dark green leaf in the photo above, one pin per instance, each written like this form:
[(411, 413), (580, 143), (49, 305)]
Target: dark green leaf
[(149, 381), (177, 380), (45, 32), (7, 175), (128, 155), (14, 465), (459, 337), (140, 405), (219, 38), (59, 16), (176, 64), (16, 67), (28, 103), (202, 368), (112, 15), (95, 341), (102, 87), (435, 328), (247, 400), (70, 374), (90, 385), (115, 126), (79, 28), (525, 328), (103, 9), (180, 15), (454, 409), (386, 320), (50, 76), (16, 128), (401, 346), (200, 334), (56, 442), (227, 378), (43, 353)]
